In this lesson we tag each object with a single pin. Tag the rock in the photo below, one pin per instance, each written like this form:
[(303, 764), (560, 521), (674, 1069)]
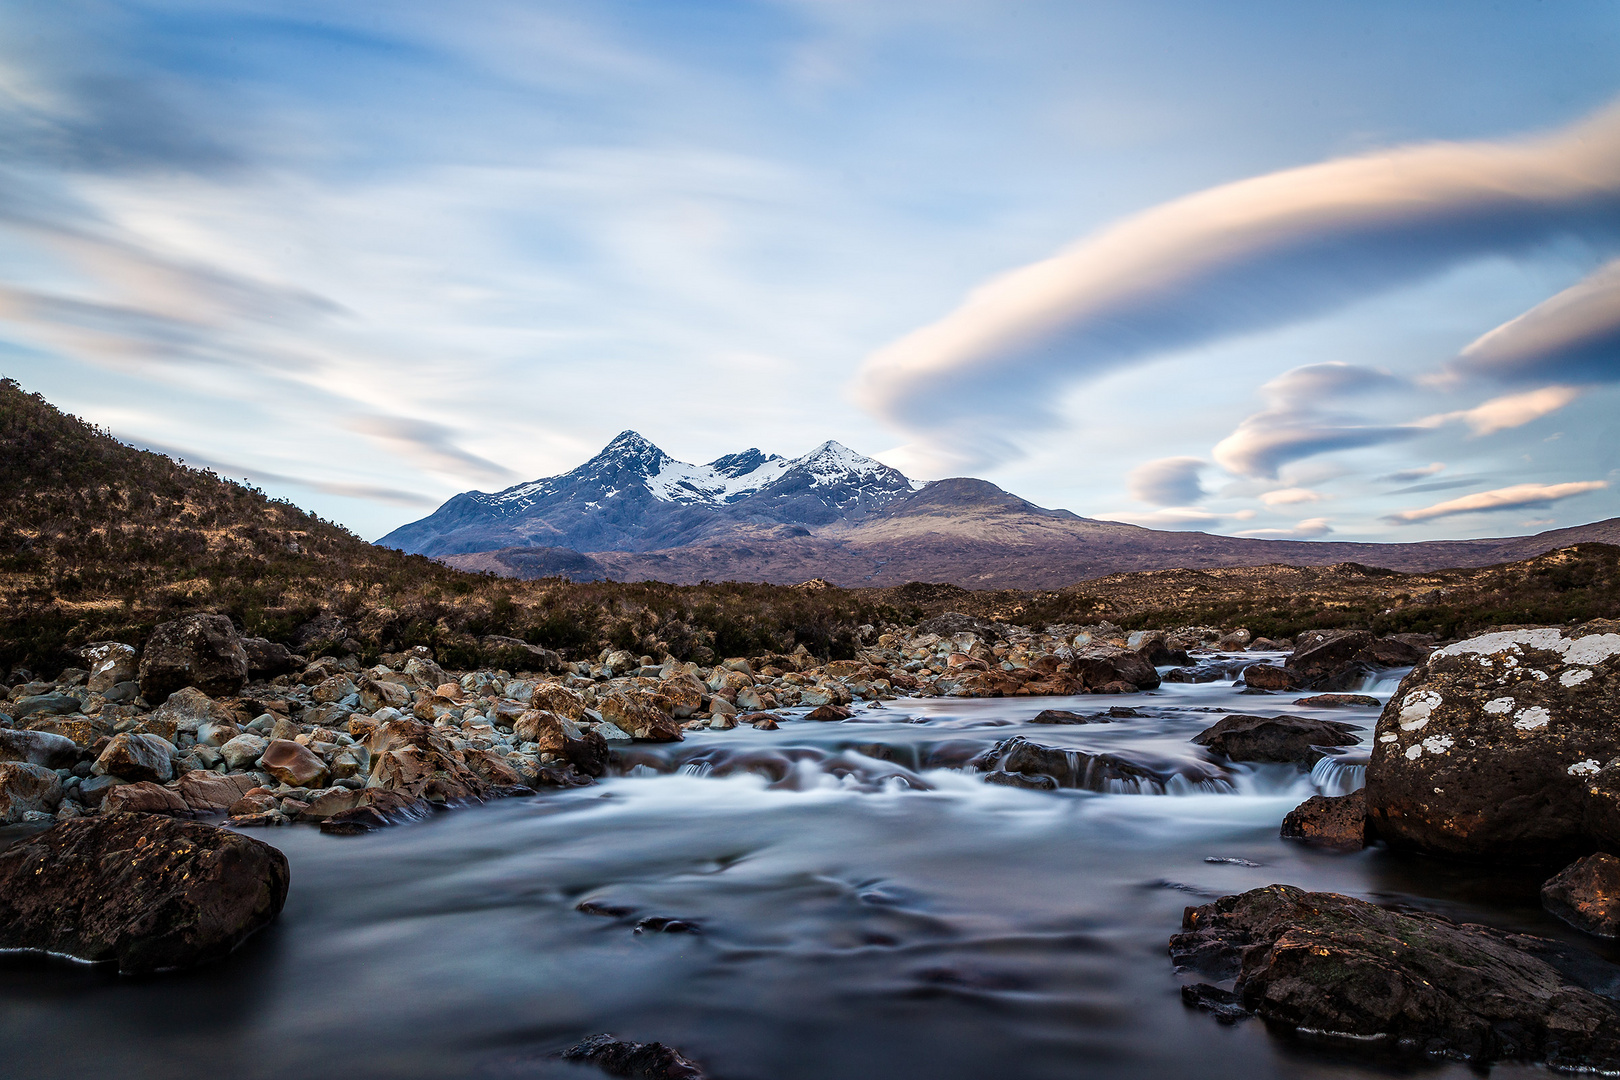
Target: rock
[(1338, 822), (515, 654), (1586, 894), (187, 709), (640, 718), (52, 704), (1240, 737), (1079, 769), (252, 804), (1270, 677), (380, 809), (38, 748), (554, 697), (111, 663), (1098, 667), (1020, 780), (1503, 747), (1326, 963), (292, 764), (333, 688), (147, 893), (209, 792), (243, 750), (1339, 701), (25, 788), (94, 790), (137, 757), (144, 797), (826, 713), (642, 1061), (331, 802), (1062, 716), (199, 650), (415, 760), (382, 694), (267, 659)]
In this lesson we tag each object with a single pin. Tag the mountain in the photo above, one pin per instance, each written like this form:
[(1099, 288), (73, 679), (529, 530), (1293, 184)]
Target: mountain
[(634, 497)]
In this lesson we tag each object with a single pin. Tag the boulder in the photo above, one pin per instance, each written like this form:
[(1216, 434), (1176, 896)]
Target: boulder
[(1154, 647), (147, 893), (111, 663), (1586, 894), (38, 748), (1063, 716), (379, 809), (144, 797), (293, 764), (381, 694), (554, 734), (187, 709), (1338, 701), (633, 713), (1325, 963), (137, 757), (209, 792), (267, 659), (26, 788), (1331, 659), (52, 704), (557, 698), (204, 651), (1504, 747), (1337, 822), (415, 760), (826, 713), (1078, 769), (1098, 667), (1241, 737), (640, 1061), (1271, 677), (243, 750)]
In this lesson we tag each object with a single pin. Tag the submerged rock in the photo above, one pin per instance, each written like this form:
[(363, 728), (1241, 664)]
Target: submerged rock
[(1021, 763), (641, 1061), (1338, 822), (1337, 966), (1586, 894), (1504, 746), (146, 892), (1241, 737)]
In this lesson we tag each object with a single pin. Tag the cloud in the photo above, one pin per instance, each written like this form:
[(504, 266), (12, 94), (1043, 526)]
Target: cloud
[(1517, 497), (370, 492), (1266, 441), (1232, 259), (1514, 410), (1573, 337), (1308, 529), (1290, 496), (1406, 476), (1167, 481), (1309, 386), (1175, 517), (429, 445)]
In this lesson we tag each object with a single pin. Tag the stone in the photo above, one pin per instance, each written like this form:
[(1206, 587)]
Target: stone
[(641, 1061), (243, 750), (1331, 659), (1337, 822), (1099, 666), (1080, 769), (425, 672), (719, 706), (332, 801), (1586, 894), (557, 698), (111, 663), (1241, 737), (216, 733), (38, 748), (27, 788), (204, 651), (209, 792), (252, 804), (52, 704), (415, 760), (95, 789), (292, 764), (144, 892), (187, 709), (267, 659), (680, 695), (380, 694), (1034, 782), (1339, 701), (1271, 677), (826, 713), (137, 757), (380, 809), (332, 689), (634, 714), (1325, 963), (144, 797), (1504, 747), (1063, 716), (79, 730)]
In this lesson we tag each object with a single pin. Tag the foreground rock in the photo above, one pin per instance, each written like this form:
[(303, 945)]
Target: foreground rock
[(148, 893), (643, 1061), (26, 788), (1336, 822), (1586, 894), (1504, 747), (204, 651), (1241, 737), (1334, 965), (1343, 659)]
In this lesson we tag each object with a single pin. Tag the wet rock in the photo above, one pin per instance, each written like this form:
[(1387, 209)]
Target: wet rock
[(1504, 747), (380, 810), (413, 759), (209, 792), (137, 757), (1100, 667), (1586, 894), (144, 797), (204, 651), (145, 892), (1338, 822), (38, 748), (292, 764), (1270, 677), (1339, 701), (1156, 649), (1222, 1004), (1036, 782), (642, 1061), (666, 924), (111, 663), (26, 788), (763, 722), (825, 713), (1241, 737), (1338, 966), (1078, 769), (1331, 659), (1063, 716), (632, 713)]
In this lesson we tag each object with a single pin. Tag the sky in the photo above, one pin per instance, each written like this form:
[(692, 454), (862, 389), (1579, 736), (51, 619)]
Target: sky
[(1267, 269)]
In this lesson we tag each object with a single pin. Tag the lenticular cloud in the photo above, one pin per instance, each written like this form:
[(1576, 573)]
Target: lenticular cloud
[(1240, 257)]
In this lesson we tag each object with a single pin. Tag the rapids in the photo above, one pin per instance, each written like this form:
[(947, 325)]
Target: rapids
[(856, 903)]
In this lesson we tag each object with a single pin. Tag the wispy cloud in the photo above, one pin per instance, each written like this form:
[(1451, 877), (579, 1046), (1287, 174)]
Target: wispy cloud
[(1167, 481), (1290, 496), (1511, 411), (1309, 529), (1516, 497), (370, 492), (1574, 337), (429, 445), (1406, 476)]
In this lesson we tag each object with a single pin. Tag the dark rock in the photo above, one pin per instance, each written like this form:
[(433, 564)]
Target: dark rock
[(38, 748), (381, 809), (146, 892), (1337, 966), (204, 651), (1157, 650), (1504, 747), (641, 1061), (95, 789), (1270, 677), (666, 924), (25, 787), (1339, 701), (515, 654), (1241, 737), (1222, 1004), (604, 908), (52, 704), (144, 797), (1099, 667), (1338, 822), (1331, 659), (1079, 769), (1063, 716), (1586, 894), (826, 713), (137, 757), (952, 623), (1020, 780), (267, 659)]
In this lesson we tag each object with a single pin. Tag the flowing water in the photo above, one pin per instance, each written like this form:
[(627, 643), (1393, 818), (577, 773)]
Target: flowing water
[(860, 906)]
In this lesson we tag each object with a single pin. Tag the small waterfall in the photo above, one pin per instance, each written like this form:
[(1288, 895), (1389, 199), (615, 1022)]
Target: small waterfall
[(1339, 776)]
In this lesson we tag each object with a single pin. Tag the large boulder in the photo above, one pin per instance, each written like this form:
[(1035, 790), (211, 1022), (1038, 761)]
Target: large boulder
[(1331, 659), (1336, 822), (1586, 894), (110, 663), (1101, 667), (266, 659), (137, 757), (1504, 746), (638, 715), (25, 788), (204, 651), (416, 760), (145, 892), (1241, 737), (1326, 963), (38, 748)]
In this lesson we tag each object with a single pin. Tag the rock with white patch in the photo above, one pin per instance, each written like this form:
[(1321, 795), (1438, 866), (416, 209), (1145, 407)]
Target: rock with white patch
[(1495, 747)]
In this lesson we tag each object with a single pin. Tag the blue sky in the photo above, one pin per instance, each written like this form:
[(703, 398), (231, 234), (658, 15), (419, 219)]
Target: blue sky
[(1276, 269)]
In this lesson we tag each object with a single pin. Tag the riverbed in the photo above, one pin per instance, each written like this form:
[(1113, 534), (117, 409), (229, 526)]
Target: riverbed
[(848, 900)]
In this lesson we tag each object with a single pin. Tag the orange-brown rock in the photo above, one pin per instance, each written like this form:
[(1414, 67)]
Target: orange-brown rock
[(413, 759), (557, 698), (209, 792), (1586, 894), (292, 764)]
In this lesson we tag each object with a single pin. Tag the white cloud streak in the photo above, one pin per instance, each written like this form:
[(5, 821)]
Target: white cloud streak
[(1516, 497), (1572, 337), (1511, 411)]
